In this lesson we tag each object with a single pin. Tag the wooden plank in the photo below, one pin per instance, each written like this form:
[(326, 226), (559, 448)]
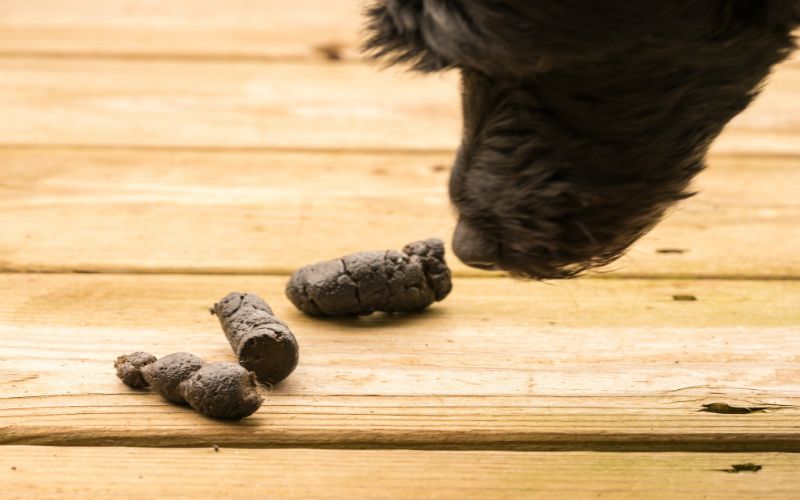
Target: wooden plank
[(187, 28), (242, 473), (268, 212), (147, 103), (224, 104), (196, 28), (584, 365)]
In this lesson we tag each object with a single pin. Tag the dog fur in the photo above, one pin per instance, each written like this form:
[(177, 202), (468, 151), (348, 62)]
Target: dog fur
[(583, 121)]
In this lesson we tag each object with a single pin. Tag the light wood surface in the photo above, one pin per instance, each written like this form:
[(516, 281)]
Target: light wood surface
[(178, 150), (213, 104), (181, 28), (236, 473), (271, 212), (595, 364), (263, 29)]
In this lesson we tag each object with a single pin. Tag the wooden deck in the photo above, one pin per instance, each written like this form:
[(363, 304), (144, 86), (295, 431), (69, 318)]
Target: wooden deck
[(157, 155)]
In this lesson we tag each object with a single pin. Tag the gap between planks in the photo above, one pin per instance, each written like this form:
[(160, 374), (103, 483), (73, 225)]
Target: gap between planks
[(321, 151), (253, 273), (233, 58)]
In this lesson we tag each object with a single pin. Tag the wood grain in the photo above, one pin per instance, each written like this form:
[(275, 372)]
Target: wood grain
[(224, 105), (242, 137), (585, 365), (77, 472), (272, 212), (181, 28), (212, 104), (264, 29)]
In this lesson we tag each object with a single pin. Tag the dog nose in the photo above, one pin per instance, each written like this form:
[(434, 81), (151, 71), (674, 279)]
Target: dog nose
[(473, 248)]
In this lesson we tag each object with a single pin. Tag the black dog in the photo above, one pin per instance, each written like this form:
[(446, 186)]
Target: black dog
[(583, 120)]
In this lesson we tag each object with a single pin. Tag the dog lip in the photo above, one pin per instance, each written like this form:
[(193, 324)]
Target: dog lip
[(485, 266)]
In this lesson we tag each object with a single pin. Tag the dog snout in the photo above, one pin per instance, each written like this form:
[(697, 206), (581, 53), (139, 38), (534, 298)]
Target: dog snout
[(474, 248)]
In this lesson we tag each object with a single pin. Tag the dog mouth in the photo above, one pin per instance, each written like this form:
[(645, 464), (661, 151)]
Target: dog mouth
[(474, 248)]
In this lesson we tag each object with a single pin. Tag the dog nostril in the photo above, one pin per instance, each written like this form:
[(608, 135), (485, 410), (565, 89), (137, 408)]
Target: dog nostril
[(473, 248)]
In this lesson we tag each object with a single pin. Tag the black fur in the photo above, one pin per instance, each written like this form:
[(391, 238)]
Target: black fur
[(583, 120)]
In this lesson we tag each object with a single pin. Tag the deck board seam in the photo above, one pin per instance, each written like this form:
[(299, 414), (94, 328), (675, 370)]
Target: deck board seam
[(710, 444), (365, 151), (286, 273)]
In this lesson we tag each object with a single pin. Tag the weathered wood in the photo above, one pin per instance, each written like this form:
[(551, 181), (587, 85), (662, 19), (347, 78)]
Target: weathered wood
[(152, 137), (584, 365), (182, 28), (27, 471), (224, 104), (207, 104), (268, 212), (264, 29)]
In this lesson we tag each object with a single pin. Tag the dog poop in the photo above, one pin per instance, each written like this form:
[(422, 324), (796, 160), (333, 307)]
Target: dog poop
[(222, 390), (364, 282), (165, 375), (262, 343), (217, 390)]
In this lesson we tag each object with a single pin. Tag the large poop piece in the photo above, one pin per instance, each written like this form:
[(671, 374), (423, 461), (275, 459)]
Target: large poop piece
[(262, 343), (364, 282), (222, 390), (217, 390)]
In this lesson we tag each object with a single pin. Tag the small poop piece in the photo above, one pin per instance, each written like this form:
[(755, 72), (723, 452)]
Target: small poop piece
[(262, 343), (364, 282), (218, 390), (129, 368)]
